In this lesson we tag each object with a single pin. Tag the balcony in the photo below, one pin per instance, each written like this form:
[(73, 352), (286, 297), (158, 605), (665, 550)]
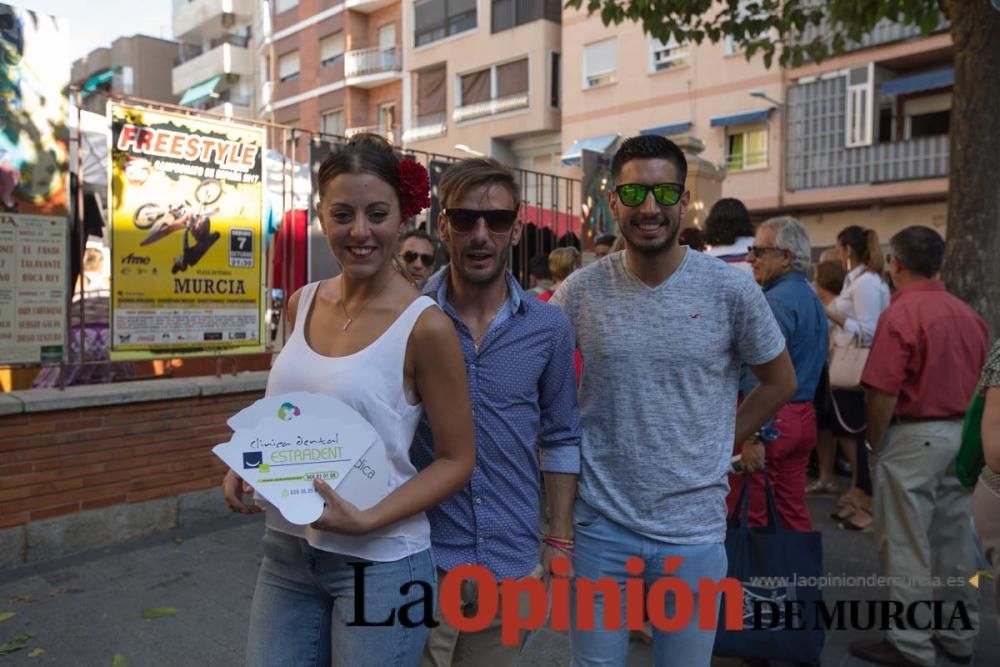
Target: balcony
[(226, 58), (430, 126), (367, 68), (884, 32), (210, 18), (389, 134), (367, 6), (926, 157), (490, 107)]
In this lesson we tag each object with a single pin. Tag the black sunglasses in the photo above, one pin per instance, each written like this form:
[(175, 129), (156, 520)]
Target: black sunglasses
[(411, 256), (666, 194), (758, 250), (464, 220)]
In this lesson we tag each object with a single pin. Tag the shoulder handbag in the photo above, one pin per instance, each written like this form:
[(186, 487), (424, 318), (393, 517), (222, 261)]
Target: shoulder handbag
[(779, 570), (847, 362)]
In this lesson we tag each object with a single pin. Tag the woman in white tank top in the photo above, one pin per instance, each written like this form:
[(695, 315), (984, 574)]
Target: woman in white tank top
[(326, 591)]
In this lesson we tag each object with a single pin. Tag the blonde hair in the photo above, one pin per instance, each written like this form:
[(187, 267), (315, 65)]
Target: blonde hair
[(564, 261)]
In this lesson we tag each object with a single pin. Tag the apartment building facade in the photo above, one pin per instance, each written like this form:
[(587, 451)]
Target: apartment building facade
[(337, 67), (860, 139), (216, 63), (137, 66)]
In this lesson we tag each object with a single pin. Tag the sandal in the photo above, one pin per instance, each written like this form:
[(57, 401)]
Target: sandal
[(819, 487), (864, 525), (844, 513), (851, 497)]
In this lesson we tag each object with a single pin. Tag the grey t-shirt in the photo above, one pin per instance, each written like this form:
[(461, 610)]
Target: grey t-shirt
[(659, 388)]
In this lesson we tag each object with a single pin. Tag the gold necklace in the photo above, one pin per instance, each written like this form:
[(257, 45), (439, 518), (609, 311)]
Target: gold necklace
[(343, 302)]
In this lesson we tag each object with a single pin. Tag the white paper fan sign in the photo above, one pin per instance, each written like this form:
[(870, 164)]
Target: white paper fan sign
[(282, 443)]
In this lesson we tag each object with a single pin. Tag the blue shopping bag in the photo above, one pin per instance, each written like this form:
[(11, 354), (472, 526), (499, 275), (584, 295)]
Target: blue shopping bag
[(779, 570)]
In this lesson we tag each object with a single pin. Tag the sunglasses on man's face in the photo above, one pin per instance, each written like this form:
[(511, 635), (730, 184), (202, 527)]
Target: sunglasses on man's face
[(758, 250), (464, 220), (666, 194), (411, 256)]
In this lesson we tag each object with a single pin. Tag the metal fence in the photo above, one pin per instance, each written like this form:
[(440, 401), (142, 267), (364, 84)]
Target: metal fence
[(549, 213)]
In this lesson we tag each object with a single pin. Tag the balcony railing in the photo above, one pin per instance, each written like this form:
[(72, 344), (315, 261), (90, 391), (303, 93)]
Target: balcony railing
[(926, 157), (371, 61), (884, 32), (490, 107), (188, 52)]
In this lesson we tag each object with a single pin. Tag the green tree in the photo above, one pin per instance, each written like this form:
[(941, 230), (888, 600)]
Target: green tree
[(787, 29)]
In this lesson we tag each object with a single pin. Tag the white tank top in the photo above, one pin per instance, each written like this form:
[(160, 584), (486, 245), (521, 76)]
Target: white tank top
[(371, 382)]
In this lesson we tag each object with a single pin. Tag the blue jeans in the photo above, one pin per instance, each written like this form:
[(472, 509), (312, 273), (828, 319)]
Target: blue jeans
[(305, 599), (602, 547)]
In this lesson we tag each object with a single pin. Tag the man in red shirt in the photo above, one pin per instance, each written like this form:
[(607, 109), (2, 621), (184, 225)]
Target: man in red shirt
[(921, 373)]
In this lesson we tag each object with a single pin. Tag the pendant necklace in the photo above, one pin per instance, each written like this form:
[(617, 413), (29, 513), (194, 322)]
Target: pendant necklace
[(343, 304)]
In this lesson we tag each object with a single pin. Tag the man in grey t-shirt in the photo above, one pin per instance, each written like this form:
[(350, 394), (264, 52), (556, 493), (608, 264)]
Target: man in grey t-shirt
[(663, 331)]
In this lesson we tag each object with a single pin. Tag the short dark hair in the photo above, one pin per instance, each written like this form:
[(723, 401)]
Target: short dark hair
[(649, 147), (919, 249), (539, 267), (728, 220), (830, 276), (417, 233), (472, 172), (606, 239), (693, 238)]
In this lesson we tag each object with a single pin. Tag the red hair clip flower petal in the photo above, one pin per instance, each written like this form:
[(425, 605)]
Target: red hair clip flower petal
[(414, 183)]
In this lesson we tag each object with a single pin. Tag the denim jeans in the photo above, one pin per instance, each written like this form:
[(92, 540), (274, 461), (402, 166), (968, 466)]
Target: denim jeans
[(305, 599), (602, 547)]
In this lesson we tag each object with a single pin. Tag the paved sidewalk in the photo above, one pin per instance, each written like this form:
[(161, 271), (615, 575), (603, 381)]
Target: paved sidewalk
[(84, 610)]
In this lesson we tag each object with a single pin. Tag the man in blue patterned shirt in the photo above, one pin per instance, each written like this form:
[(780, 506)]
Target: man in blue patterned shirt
[(519, 359)]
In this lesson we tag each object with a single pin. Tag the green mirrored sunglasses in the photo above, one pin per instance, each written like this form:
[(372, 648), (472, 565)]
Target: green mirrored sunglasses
[(666, 194)]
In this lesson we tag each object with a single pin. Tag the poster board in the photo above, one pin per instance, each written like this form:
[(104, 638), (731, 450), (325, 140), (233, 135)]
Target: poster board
[(185, 200), (34, 253)]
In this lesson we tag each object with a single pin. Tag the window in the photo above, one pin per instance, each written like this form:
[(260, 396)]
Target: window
[(731, 47), (556, 79), (860, 94), (512, 79), (333, 123), (288, 66), (437, 19), (494, 90), (667, 56), (926, 116), (125, 80), (507, 14), (600, 62), (331, 48), (746, 149), (431, 95), (475, 88), (284, 5)]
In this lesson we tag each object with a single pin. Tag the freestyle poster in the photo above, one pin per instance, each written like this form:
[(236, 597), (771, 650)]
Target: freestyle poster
[(186, 199), (34, 72)]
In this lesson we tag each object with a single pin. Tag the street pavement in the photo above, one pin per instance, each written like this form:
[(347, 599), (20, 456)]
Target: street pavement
[(86, 610)]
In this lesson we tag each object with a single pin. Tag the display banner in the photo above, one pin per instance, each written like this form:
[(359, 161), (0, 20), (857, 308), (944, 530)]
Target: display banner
[(32, 288), (186, 197), (34, 73)]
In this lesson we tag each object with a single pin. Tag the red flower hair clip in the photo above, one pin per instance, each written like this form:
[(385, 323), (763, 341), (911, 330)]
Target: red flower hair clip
[(415, 185)]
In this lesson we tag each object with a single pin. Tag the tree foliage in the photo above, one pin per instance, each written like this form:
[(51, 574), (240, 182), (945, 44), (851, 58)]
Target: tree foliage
[(796, 30)]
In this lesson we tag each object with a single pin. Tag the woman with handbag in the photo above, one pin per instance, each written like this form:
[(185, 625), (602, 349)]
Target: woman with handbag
[(853, 316)]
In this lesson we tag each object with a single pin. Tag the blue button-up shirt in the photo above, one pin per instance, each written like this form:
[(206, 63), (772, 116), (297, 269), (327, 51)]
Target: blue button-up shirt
[(523, 390), (803, 322)]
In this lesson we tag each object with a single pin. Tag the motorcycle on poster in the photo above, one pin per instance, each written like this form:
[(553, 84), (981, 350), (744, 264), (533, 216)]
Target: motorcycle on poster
[(186, 198)]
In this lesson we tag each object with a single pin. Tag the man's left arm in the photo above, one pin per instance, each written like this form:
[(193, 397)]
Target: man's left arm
[(880, 407), (883, 376), (559, 439)]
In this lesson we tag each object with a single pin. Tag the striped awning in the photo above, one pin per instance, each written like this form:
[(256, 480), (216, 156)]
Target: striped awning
[(197, 93), (942, 78), (740, 118)]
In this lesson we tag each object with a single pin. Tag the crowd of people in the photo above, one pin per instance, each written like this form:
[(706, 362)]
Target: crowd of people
[(507, 454)]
